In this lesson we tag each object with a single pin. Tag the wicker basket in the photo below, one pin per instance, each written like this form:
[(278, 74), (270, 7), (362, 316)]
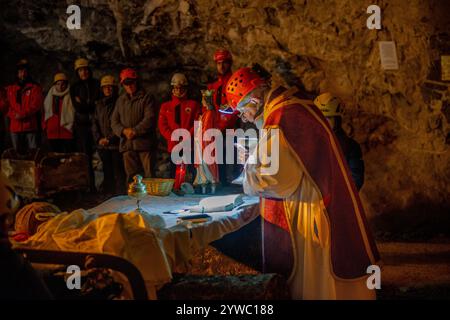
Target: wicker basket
[(158, 186)]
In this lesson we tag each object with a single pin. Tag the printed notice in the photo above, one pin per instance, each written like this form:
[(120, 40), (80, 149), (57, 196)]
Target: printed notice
[(388, 55), (445, 68)]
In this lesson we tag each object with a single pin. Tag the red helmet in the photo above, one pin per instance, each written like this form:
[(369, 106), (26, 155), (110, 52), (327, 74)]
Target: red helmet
[(222, 55), (128, 73), (241, 83)]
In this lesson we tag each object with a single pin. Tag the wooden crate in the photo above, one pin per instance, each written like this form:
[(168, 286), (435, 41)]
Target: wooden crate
[(39, 174)]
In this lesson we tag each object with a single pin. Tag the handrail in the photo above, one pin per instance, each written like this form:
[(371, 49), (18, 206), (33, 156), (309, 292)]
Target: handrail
[(96, 260)]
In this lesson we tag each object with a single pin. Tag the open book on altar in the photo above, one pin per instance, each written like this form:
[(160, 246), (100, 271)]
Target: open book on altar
[(218, 203)]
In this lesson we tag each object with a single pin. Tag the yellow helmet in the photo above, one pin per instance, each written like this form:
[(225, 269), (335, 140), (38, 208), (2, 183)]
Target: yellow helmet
[(59, 77), (329, 105), (108, 80), (81, 63)]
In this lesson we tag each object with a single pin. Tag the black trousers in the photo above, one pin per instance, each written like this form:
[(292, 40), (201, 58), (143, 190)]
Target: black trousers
[(85, 144), (24, 141), (228, 171), (113, 171), (61, 145)]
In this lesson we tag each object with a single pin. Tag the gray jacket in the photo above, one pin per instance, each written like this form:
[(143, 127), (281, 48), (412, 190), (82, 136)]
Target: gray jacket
[(139, 114), (101, 123)]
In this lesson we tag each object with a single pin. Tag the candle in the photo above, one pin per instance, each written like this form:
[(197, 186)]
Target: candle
[(180, 176)]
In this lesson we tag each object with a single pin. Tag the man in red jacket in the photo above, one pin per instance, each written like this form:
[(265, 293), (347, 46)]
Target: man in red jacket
[(180, 112), (222, 121), (224, 61), (24, 99)]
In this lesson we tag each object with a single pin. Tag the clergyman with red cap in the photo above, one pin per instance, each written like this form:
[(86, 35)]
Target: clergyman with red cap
[(315, 230)]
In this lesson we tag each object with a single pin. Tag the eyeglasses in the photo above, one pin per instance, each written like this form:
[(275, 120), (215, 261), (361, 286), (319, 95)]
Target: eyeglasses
[(226, 109), (179, 87), (129, 82)]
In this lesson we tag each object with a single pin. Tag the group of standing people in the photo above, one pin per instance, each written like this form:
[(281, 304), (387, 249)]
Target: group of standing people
[(181, 112), (314, 227), (83, 117), (90, 115)]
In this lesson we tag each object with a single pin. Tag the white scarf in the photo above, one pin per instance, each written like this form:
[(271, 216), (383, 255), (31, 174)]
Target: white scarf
[(67, 112)]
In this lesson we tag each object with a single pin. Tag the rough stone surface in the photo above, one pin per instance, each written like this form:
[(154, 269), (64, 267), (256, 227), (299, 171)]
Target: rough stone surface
[(401, 121), (243, 287)]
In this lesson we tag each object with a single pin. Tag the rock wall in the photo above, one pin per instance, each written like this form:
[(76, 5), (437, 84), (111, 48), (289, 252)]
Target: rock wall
[(401, 121)]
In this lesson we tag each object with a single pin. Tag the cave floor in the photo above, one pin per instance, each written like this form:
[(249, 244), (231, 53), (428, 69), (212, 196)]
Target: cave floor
[(415, 269), (409, 270)]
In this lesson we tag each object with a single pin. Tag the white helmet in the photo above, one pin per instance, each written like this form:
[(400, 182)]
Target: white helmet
[(179, 79)]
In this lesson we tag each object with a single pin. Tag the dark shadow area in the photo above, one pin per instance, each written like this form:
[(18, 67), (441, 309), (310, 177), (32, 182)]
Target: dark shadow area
[(243, 245), (419, 222), (423, 293), (395, 259)]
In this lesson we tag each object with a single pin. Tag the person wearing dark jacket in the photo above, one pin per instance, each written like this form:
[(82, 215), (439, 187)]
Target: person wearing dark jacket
[(134, 122), (84, 94), (24, 100), (331, 109), (18, 279), (106, 141)]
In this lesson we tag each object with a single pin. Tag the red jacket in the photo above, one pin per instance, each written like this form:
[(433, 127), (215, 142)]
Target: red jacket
[(170, 119), (52, 126), (222, 121), (23, 113)]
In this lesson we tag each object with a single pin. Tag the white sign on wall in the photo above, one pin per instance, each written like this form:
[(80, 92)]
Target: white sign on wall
[(445, 68), (388, 55)]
